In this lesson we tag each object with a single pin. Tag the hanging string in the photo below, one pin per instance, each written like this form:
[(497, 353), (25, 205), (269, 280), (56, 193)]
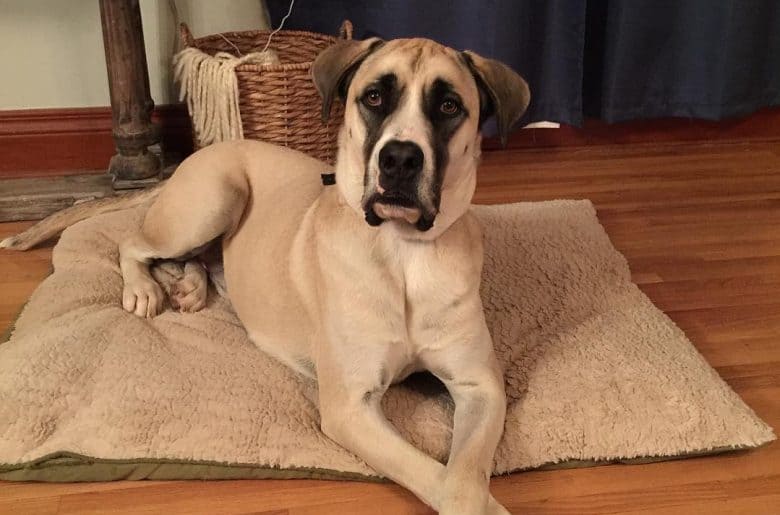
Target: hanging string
[(281, 24)]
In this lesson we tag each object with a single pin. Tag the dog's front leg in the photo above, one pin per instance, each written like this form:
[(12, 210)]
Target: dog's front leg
[(351, 415), (470, 371)]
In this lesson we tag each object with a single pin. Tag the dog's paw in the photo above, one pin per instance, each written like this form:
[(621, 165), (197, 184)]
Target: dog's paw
[(468, 495), (461, 506), (189, 293), (463, 503), (143, 297), (188, 296), (167, 274)]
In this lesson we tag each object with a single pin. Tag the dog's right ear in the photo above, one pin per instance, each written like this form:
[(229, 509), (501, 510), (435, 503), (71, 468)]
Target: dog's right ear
[(334, 67)]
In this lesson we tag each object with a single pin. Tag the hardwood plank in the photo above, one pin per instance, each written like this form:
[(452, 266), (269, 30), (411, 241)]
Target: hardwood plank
[(235, 497), (764, 504), (674, 496), (47, 505), (31, 490), (733, 335)]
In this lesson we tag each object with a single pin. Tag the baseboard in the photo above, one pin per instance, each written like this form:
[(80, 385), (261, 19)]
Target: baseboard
[(56, 142), (72, 141)]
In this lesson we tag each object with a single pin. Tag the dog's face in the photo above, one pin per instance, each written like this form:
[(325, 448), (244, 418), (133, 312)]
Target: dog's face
[(410, 143)]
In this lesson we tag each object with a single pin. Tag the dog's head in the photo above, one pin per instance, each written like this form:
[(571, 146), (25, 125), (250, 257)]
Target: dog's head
[(410, 143)]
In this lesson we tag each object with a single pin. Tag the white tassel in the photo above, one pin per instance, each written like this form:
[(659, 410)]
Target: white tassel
[(210, 87)]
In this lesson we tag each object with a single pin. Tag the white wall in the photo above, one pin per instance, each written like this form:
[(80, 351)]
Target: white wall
[(52, 50)]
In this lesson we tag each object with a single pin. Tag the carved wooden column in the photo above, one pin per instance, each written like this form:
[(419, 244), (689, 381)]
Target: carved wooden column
[(131, 103)]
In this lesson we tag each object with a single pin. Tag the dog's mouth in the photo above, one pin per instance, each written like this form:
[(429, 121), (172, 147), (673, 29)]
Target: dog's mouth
[(396, 198), (397, 205)]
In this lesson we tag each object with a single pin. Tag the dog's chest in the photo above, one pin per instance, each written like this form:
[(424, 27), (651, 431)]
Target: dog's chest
[(435, 281), (379, 294)]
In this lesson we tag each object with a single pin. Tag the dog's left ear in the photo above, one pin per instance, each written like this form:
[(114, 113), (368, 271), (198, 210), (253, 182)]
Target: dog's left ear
[(507, 92), (334, 67)]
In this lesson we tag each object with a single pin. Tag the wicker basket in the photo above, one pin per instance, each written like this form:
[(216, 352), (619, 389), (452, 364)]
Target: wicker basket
[(279, 103)]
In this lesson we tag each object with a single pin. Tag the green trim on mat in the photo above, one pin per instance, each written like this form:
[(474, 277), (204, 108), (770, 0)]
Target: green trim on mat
[(67, 467)]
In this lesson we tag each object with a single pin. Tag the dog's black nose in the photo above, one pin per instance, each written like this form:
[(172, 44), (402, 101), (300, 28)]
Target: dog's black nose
[(400, 160)]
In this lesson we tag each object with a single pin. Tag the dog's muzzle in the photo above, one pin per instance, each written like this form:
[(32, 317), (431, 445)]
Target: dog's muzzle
[(400, 166)]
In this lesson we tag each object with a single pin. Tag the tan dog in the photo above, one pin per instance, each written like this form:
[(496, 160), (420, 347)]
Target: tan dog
[(356, 285)]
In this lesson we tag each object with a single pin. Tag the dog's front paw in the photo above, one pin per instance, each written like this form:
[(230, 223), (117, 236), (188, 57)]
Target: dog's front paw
[(143, 297), (464, 500)]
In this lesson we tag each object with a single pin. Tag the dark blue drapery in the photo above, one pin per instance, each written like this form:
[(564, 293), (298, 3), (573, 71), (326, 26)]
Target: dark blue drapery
[(614, 59), (708, 59)]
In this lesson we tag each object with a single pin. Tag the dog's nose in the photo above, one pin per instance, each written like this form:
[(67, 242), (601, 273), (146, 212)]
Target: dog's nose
[(400, 160)]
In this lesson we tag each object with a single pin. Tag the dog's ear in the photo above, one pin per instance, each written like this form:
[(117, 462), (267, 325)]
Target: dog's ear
[(334, 67), (503, 92)]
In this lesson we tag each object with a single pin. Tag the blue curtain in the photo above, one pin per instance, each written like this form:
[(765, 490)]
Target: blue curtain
[(612, 59), (708, 59)]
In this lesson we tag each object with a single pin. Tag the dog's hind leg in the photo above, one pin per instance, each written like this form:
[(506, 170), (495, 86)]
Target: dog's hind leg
[(202, 201)]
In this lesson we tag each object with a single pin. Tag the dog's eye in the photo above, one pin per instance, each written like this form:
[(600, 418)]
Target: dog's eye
[(373, 98), (449, 107)]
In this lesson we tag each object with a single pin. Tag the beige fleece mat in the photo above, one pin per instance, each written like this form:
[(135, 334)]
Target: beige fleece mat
[(594, 371)]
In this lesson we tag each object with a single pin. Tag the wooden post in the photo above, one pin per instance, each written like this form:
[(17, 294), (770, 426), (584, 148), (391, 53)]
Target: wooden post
[(128, 82)]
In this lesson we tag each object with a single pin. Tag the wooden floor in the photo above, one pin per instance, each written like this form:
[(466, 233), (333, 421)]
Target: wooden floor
[(700, 226)]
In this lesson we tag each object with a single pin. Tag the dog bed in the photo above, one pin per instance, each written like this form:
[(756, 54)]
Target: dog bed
[(594, 372)]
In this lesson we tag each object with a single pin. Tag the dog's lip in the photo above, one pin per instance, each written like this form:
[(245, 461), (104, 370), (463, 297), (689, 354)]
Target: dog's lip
[(396, 198), (393, 205), (397, 205), (395, 212)]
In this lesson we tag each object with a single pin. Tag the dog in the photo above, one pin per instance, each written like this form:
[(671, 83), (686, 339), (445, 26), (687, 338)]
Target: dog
[(358, 284)]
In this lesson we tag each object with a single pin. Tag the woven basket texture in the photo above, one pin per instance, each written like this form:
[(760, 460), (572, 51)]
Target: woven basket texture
[(279, 103)]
